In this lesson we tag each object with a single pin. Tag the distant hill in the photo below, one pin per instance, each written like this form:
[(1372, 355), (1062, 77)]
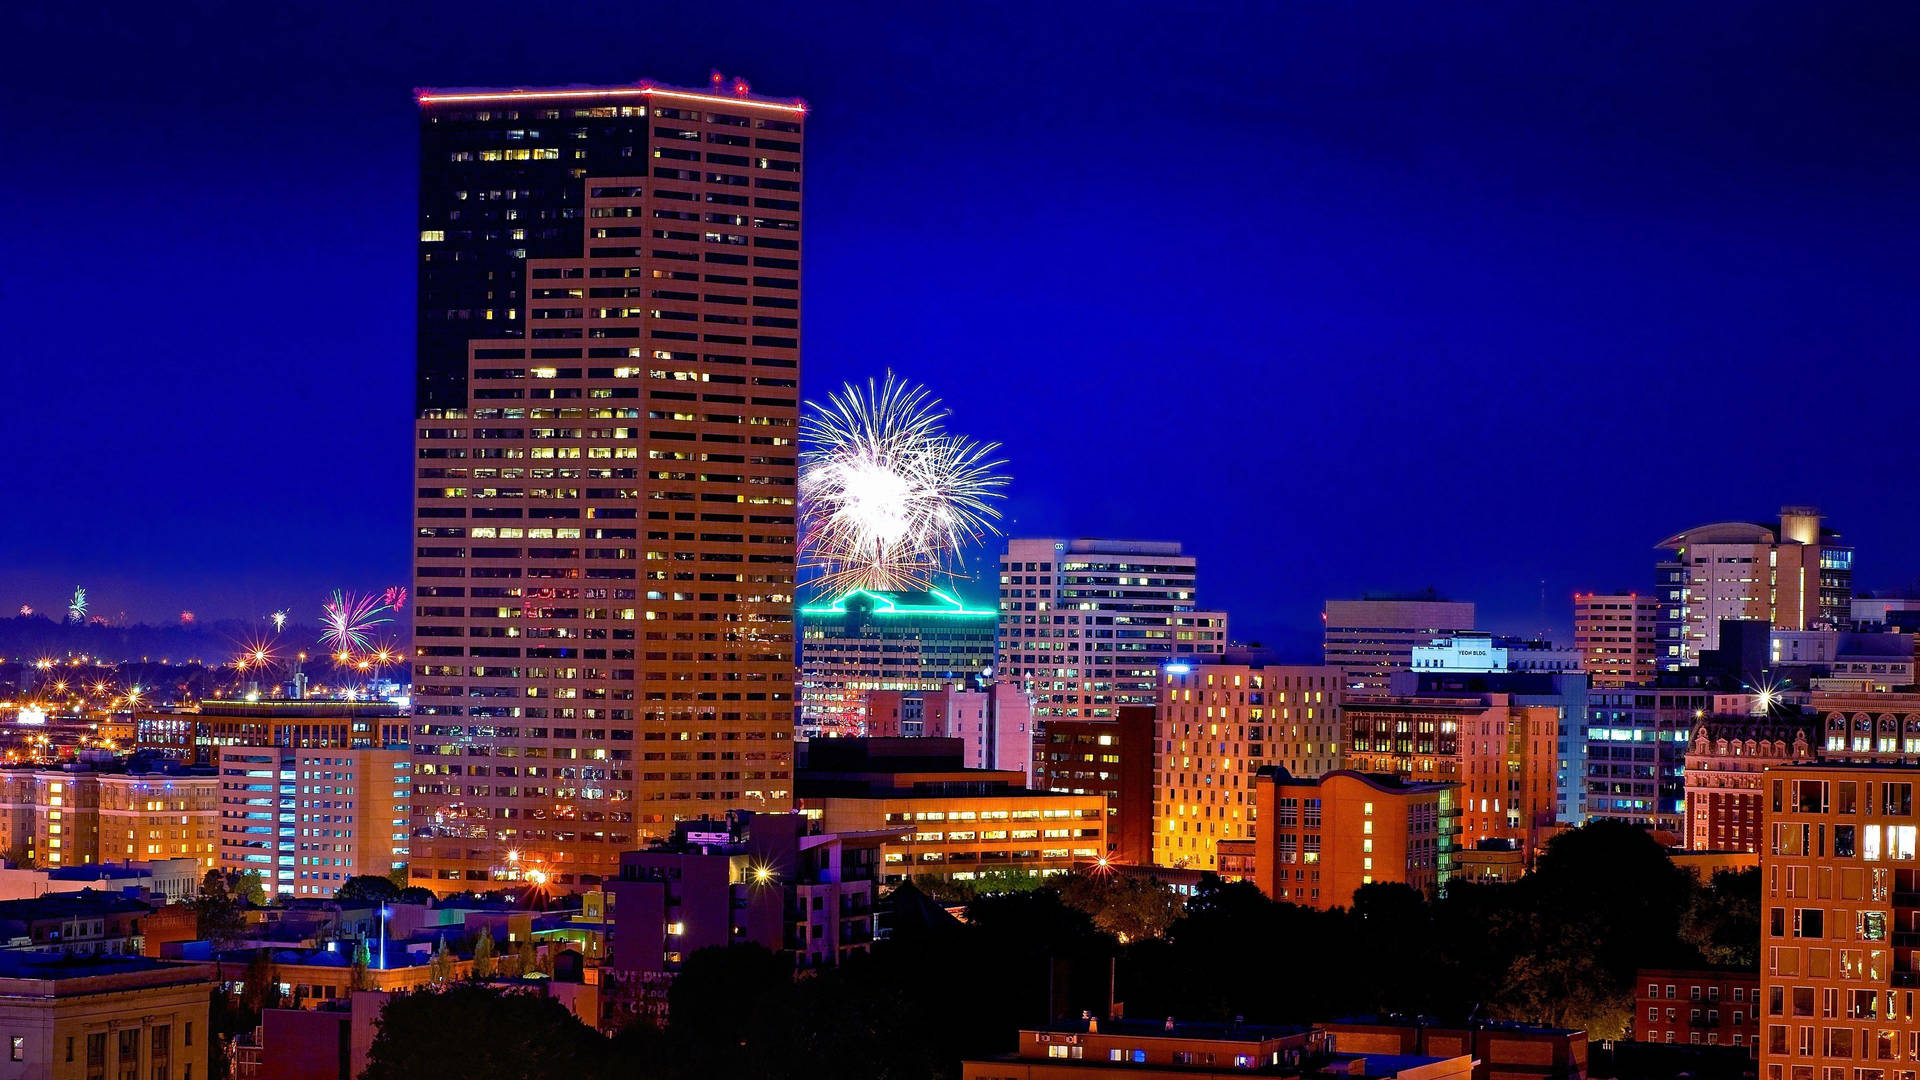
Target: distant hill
[(30, 637)]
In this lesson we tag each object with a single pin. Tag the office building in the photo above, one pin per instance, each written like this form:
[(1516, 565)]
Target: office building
[(761, 879), (328, 1043), (105, 812), (869, 641), (197, 735), (1500, 752), (1794, 576), (993, 721), (1086, 624), (1369, 640), (169, 880), (1881, 610), (1860, 725), (1723, 774), (1637, 741), (1840, 907), (315, 976), (306, 820), (1501, 1049), (1476, 653), (121, 1016), (1531, 676), (1094, 1048), (1112, 759), (1321, 838), (946, 820), (1873, 663), (83, 923), (1218, 725), (608, 362), (1617, 636), (1697, 1007)]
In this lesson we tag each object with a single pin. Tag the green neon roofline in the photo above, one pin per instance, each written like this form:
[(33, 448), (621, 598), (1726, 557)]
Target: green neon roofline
[(884, 605)]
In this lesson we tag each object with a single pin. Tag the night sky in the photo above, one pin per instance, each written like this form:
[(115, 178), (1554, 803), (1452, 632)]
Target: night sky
[(1348, 297)]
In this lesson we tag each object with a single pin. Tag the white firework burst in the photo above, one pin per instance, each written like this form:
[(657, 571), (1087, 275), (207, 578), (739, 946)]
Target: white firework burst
[(888, 498)]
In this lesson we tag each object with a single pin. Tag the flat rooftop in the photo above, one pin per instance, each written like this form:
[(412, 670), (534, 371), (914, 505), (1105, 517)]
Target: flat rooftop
[(722, 91), (1182, 1029), (19, 964)]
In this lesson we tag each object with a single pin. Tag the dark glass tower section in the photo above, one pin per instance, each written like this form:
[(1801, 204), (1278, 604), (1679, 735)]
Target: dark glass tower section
[(500, 185)]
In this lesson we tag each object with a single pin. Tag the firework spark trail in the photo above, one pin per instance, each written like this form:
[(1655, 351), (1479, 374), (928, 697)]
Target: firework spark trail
[(348, 620), (888, 497)]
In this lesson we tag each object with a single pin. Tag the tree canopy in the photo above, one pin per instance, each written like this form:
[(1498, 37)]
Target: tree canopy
[(473, 1032), (1559, 946), (367, 889), (216, 912)]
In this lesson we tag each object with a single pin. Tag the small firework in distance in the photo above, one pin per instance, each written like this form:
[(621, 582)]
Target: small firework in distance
[(348, 619), (26, 609), (395, 597), (279, 621), (255, 655), (888, 497), (186, 618), (77, 607)]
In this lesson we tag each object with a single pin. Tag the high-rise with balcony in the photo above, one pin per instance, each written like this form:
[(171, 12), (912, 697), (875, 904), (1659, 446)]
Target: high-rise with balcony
[(608, 364)]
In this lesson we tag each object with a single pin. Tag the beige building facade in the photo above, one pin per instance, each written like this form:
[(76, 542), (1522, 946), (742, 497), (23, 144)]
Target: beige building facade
[(1217, 725)]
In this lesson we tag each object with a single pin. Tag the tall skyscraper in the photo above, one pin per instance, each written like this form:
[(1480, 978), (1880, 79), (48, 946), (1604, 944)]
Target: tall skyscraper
[(609, 291), (1617, 635), (1086, 624), (1795, 576), (1371, 639)]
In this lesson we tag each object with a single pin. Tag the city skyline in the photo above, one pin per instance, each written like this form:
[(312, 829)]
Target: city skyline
[(1062, 541), (1707, 226)]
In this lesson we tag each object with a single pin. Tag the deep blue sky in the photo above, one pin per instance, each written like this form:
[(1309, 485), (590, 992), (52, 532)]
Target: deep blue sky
[(1364, 296)]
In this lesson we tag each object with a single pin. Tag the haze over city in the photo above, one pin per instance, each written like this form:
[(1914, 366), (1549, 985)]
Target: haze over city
[(1487, 300)]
